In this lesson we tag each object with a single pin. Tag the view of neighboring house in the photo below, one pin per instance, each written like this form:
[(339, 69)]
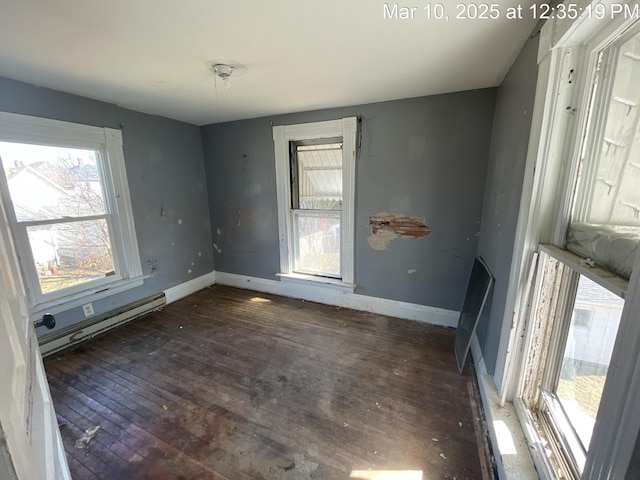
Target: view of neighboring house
[(587, 355), (50, 190), (33, 192), (596, 316)]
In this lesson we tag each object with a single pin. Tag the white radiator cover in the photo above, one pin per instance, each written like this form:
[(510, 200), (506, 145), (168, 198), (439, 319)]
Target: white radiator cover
[(76, 333)]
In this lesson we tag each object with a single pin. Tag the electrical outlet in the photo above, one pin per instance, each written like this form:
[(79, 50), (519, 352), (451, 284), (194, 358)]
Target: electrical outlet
[(87, 309)]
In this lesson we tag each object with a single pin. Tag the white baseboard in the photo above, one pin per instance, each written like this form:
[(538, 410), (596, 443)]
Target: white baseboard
[(192, 286), (341, 298)]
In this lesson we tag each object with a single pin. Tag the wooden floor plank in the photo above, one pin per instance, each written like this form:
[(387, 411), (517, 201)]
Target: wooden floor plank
[(233, 384), (109, 434)]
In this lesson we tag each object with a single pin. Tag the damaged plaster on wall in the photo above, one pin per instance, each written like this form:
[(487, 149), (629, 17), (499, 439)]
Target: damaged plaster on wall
[(387, 226)]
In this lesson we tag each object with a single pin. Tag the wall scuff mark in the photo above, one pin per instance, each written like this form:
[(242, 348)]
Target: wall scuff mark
[(387, 226), (153, 265)]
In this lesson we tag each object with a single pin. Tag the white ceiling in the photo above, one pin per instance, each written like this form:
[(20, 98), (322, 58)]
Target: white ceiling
[(153, 56)]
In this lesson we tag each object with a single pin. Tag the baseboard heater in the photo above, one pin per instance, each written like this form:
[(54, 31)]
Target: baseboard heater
[(65, 337)]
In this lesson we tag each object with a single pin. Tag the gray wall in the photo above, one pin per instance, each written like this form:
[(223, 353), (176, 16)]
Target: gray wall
[(424, 157), (633, 471), (165, 169), (509, 144), (7, 469)]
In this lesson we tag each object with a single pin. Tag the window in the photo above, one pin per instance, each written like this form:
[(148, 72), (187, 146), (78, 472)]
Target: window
[(67, 201), (316, 207), (577, 321), (606, 219), (586, 353), (577, 303), (315, 173)]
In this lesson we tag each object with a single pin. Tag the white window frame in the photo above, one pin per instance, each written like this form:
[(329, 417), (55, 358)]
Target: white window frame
[(565, 68), (536, 349), (119, 216), (346, 129)]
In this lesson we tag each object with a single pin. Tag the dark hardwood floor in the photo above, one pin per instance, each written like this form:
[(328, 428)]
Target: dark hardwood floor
[(232, 384)]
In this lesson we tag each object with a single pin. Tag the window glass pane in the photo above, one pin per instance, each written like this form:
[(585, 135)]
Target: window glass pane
[(320, 176), (592, 333), (48, 183), (615, 198), (318, 244), (68, 254)]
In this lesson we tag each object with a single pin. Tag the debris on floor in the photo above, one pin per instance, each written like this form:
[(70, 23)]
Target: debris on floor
[(135, 458), (86, 437)]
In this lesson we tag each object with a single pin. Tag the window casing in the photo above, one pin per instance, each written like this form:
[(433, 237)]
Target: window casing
[(315, 176), (67, 200), (574, 146)]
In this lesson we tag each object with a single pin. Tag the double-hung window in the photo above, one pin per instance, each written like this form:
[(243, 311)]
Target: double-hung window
[(315, 171), (66, 196), (316, 206), (578, 297)]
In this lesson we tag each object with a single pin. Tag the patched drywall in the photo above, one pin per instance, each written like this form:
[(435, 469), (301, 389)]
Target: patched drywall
[(388, 226), (381, 240)]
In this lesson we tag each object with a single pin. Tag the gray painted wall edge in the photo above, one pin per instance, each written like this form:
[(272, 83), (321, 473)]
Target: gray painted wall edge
[(7, 469), (509, 143)]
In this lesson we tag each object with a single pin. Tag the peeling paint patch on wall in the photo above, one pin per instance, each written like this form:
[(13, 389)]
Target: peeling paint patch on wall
[(387, 226)]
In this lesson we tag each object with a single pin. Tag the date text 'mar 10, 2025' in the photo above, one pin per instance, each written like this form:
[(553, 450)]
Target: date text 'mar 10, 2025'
[(494, 11)]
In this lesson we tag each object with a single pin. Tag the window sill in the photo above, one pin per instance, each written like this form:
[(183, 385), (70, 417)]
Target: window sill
[(540, 448), (78, 299), (324, 282), (612, 282), (513, 454)]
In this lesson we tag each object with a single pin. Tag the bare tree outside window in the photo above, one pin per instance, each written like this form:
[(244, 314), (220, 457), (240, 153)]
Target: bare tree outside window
[(57, 194)]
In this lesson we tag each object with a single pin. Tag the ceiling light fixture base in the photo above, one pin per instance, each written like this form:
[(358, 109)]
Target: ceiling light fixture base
[(225, 68)]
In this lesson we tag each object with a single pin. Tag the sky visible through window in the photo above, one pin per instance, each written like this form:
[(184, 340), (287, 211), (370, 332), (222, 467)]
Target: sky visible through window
[(11, 152)]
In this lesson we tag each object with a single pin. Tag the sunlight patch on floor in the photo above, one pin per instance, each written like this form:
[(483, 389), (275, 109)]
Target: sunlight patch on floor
[(260, 300)]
